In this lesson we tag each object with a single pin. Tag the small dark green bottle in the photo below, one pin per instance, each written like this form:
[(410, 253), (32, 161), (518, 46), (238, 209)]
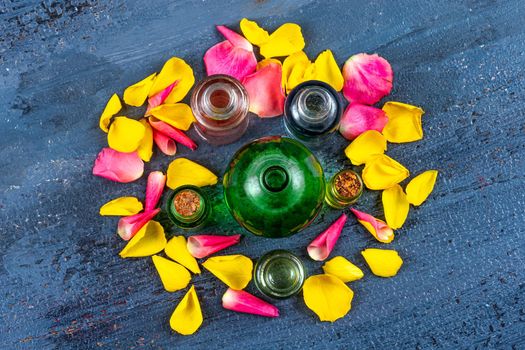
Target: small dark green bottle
[(344, 189), (188, 207), (279, 274)]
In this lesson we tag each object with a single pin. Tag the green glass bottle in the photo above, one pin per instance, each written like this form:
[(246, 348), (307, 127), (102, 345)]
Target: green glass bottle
[(279, 274), (188, 207), (274, 186), (344, 189)]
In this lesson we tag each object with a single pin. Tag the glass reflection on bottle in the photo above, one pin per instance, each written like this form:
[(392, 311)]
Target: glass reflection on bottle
[(312, 112)]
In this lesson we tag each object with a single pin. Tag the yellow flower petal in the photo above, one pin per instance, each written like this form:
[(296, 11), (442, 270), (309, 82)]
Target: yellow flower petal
[(366, 146), (122, 206), (187, 317), (420, 187), (294, 67), (327, 296), (175, 69), (148, 241), (297, 76), (291, 61), (382, 262), (383, 172), (177, 250), (145, 150), (287, 39), (395, 205), (173, 276), (178, 115), (253, 33), (136, 94), (234, 270), (343, 269), (378, 228), (309, 72), (125, 134), (370, 228), (404, 122), (112, 107), (325, 69), (183, 171)]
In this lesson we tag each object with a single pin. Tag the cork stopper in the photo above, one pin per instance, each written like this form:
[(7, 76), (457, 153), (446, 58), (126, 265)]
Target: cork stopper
[(187, 202)]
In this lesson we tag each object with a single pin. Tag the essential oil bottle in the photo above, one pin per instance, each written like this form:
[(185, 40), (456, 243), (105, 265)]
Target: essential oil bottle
[(344, 189), (188, 207), (312, 111), (279, 274), (220, 105), (274, 186)]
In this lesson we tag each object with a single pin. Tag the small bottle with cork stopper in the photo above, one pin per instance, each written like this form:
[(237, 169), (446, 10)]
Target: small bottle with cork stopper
[(220, 105), (344, 189), (312, 111), (188, 207)]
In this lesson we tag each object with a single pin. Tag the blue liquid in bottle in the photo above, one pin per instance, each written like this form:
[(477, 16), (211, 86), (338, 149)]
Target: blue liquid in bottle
[(312, 111)]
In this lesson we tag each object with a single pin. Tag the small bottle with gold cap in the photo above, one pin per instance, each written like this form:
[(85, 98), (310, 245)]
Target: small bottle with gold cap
[(344, 189), (188, 207)]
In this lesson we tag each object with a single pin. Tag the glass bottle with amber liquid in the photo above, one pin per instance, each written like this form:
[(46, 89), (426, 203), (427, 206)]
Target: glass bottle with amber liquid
[(220, 105)]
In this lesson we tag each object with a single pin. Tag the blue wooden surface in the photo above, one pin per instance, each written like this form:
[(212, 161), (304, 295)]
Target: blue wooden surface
[(62, 284)]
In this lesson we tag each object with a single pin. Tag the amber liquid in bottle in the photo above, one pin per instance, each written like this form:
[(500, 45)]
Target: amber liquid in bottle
[(220, 106)]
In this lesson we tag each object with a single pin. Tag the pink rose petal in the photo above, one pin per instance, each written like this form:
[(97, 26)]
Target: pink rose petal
[(383, 233), (265, 91), (164, 143), (172, 132), (368, 78), (201, 246), (159, 97), (241, 301), (359, 118), (117, 166), (224, 58), (154, 188), (234, 38), (128, 226), (322, 245), (233, 57)]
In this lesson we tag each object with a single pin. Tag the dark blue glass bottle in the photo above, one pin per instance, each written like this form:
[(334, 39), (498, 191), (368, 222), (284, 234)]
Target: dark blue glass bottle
[(312, 111)]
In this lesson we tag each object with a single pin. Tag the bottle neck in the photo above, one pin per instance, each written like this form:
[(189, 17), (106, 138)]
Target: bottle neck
[(312, 109), (275, 178), (314, 106), (219, 103), (279, 274)]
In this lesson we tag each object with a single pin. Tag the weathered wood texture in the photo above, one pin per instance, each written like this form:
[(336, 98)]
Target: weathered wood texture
[(463, 283)]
